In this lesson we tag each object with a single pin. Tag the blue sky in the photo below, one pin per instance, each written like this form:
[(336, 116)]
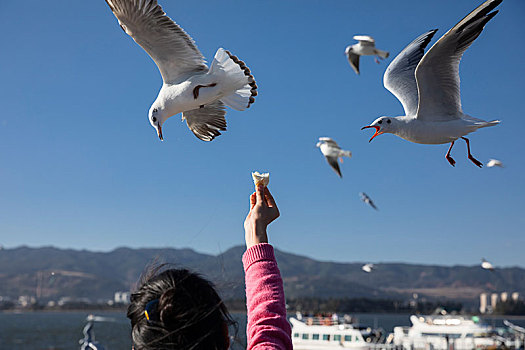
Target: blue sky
[(80, 166)]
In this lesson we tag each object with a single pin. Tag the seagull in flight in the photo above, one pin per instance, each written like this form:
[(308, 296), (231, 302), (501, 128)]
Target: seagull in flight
[(364, 197), (494, 162), (428, 86), (368, 268), (332, 152), (365, 47), (189, 87), (486, 265)]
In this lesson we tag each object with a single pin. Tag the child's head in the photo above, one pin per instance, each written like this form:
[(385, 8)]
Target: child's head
[(178, 309)]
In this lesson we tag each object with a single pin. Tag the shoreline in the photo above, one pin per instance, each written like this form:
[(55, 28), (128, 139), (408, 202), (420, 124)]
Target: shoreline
[(123, 310)]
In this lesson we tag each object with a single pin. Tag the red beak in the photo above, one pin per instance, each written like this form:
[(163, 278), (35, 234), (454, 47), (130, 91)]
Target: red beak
[(377, 130)]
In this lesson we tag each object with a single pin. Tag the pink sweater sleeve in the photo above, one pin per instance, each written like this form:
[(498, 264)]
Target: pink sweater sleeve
[(267, 325)]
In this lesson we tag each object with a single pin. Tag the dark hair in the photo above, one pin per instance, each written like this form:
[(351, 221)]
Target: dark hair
[(187, 312)]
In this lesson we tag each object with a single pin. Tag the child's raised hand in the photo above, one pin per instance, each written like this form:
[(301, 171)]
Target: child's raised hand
[(263, 211)]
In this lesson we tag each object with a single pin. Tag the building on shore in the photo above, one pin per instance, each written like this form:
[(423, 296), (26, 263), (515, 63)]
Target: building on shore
[(495, 298), (121, 297), (483, 307)]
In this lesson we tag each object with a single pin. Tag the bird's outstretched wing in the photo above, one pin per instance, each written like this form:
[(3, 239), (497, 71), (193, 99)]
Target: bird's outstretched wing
[(353, 59), (438, 72), (329, 141), (365, 39), (169, 46), (400, 77), (334, 164), (206, 122)]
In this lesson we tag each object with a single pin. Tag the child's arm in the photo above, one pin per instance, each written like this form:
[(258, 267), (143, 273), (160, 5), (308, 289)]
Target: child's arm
[(267, 325)]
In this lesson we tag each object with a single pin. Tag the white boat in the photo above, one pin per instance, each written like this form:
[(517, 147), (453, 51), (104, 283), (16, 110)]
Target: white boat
[(445, 332), (327, 333)]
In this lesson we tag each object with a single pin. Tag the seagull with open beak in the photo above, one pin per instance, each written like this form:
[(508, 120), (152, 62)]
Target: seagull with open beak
[(427, 85), (378, 130)]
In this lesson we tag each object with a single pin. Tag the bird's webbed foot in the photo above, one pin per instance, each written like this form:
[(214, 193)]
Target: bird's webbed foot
[(475, 161), (451, 160), (472, 159)]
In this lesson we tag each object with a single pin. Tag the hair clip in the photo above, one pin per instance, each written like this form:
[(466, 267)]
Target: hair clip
[(151, 310)]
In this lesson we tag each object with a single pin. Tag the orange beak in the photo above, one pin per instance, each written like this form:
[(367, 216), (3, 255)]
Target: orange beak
[(159, 132), (377, 131)]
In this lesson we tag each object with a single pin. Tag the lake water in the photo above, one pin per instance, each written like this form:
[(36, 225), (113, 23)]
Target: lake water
[(62, 330)]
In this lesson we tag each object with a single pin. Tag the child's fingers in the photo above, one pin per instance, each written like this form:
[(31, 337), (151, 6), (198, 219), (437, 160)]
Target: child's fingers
[(269, 198), (260, 195), (253, 200)]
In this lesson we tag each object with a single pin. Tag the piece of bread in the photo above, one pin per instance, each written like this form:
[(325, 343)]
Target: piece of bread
[(260, 179)]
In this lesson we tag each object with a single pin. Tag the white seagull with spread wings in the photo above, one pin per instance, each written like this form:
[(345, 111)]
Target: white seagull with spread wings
[(331, 151), (365, 47), (190, 87), (428, 86)]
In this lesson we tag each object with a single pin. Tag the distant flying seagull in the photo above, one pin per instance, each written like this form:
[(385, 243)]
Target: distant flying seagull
[(365, 47), (364, 197), (332, 152), (368, 268), (495, 162), (428, 86), (99, 318), (190, 87), (486, 265)]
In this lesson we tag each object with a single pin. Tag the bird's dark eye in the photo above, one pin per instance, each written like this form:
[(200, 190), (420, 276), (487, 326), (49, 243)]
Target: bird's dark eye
[(388, 121), (154, 119), (380, 122)]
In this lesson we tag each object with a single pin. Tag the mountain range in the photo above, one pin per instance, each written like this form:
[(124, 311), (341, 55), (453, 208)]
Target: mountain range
[(51, 273)]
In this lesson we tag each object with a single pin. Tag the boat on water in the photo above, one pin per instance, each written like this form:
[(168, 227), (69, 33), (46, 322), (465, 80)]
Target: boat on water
[(430, 332), (448, 332), (321, 333)]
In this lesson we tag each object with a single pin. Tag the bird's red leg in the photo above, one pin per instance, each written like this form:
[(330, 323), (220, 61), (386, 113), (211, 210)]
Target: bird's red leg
[(474, 160), (375, 59), (449, 158)]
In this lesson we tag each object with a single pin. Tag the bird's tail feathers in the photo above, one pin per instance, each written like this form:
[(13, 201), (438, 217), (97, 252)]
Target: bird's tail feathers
[(236, 74), (476, 123), (484, 124), (382, 54), (492, 123)]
